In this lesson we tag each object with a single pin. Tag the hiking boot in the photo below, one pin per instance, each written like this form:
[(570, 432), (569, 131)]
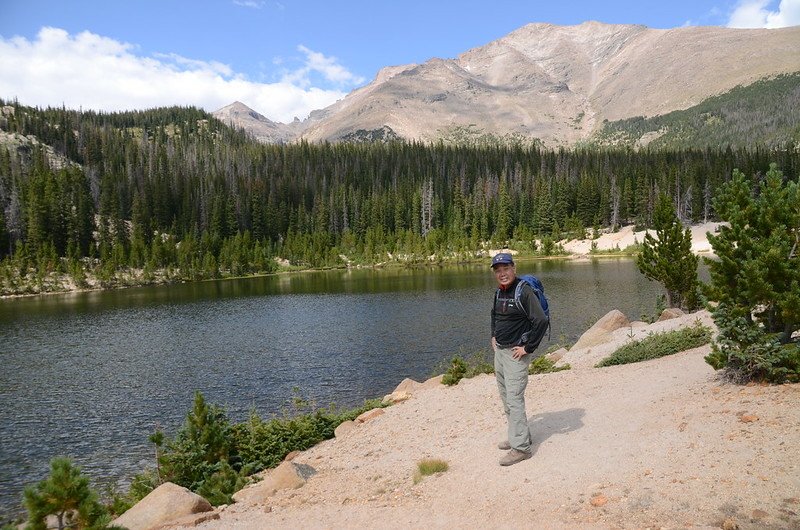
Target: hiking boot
[(514, 456), (504, 445)]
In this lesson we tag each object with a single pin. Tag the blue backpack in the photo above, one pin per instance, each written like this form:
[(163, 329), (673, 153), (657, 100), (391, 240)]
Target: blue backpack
[(538, 289)]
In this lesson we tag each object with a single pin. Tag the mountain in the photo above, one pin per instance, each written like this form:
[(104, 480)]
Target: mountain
[(557, 84), (240, 116), (766, 113)]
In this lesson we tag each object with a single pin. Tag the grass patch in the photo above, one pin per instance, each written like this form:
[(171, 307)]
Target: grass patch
[(429, 466), (659, 344)]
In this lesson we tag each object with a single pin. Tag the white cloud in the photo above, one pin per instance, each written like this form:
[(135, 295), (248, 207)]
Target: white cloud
[(249, 3), (758, 14), (95, 72), (328, 67)]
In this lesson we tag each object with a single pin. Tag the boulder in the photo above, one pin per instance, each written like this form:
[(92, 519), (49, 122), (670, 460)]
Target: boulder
[(288, 475), (433, 381), (370, 414), (670, 313), (344, 428), (397, 397), (407, 385), (602, 329), (163, 505), (556, 355)]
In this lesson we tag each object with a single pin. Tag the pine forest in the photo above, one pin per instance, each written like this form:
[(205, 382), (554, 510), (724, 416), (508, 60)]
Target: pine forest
[(173, 193)]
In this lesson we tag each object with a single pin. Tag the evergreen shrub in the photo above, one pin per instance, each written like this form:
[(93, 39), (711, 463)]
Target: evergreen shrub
[(66, 494), (214, 458), (745, 352), (543, 365), (478, 363), (658, 345), (755, 278)]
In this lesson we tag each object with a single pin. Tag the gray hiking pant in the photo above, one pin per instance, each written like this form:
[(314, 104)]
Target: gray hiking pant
[(512, 379)]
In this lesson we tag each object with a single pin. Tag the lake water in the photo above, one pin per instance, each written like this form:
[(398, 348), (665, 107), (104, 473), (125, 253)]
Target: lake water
[(91, 375)]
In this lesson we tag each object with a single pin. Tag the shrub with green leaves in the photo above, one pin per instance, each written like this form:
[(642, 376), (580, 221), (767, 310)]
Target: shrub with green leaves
[(658, 345), (456, 371), (746, 353), (543, 365), (213, 457), (461, 368)]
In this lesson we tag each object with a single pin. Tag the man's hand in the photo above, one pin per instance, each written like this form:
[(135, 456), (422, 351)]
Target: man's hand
[(494, 344), (517, 352)]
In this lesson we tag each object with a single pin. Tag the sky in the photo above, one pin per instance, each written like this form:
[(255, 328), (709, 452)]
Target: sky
[(283, 58)]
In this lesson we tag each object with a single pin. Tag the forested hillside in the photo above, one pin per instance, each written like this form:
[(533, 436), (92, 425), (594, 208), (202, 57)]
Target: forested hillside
[(175, 192), (765, 113)]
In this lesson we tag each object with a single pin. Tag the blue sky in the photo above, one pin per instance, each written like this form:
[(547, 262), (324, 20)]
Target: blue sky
[(283, 58)]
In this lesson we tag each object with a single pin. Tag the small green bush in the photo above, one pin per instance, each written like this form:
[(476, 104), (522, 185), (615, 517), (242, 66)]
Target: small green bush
[(479, 363), (456, 371), (659, 344), (543, 365), (460, 368), (746, 352)]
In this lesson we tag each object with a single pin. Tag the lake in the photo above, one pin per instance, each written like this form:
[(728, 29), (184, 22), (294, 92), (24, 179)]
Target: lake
[(91, 375)]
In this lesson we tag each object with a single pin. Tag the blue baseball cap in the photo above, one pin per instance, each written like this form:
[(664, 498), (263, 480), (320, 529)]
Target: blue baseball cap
[(502, 257)]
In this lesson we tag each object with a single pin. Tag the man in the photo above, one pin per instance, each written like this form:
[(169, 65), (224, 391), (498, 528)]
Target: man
[(517, 329)]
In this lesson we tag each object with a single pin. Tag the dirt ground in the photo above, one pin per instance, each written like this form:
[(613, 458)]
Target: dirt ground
[(657, 444)]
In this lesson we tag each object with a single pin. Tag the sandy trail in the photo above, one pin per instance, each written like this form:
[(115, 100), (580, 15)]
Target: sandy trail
[(660, 444)]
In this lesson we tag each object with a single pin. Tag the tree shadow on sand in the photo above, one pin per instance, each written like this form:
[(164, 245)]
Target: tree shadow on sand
[(545, 425)]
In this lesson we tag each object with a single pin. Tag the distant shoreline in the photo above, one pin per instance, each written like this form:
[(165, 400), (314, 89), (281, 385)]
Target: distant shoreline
[(606, 245)]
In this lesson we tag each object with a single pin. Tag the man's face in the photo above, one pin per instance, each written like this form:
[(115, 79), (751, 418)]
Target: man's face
[(504, 273)]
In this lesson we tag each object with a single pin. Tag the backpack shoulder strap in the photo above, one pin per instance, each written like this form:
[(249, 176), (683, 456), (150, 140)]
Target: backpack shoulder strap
[(518, 291)]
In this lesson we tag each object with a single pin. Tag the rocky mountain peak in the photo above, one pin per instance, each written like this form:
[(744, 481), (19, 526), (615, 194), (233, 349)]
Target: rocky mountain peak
[(239, 115), (556, 84)]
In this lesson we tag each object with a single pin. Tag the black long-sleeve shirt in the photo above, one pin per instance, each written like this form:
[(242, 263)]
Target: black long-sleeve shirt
[(513, 325)]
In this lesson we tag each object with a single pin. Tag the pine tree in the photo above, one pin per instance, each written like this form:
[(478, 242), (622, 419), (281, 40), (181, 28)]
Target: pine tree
[(5, 239), (668, 258), (67, 495), (198, 447), (505, 216), (756, 278)]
